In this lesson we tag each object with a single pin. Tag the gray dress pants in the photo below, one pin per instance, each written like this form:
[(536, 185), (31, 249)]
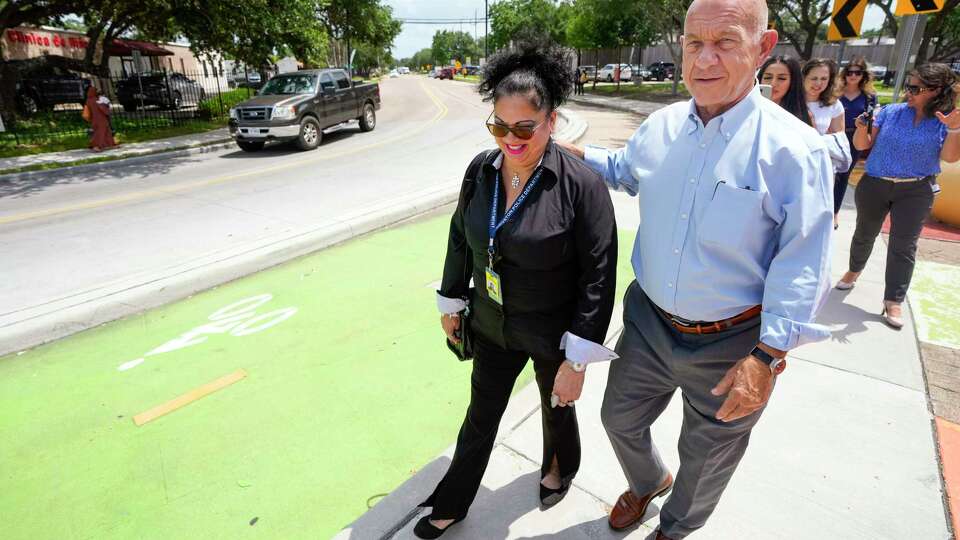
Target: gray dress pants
[(655, 360), (909, 204)]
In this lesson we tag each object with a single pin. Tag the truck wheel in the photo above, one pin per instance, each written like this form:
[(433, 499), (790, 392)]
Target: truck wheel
[(129, 107), (176, 101), (28, 105), (368, 120), (310, 134), (250, 146)]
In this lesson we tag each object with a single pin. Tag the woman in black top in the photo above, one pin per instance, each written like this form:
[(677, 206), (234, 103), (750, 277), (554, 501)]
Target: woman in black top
[(547, 282), (857, 96)]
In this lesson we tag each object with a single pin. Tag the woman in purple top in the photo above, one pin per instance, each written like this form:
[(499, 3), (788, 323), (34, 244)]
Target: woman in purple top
[(858, 94), (909, 140)]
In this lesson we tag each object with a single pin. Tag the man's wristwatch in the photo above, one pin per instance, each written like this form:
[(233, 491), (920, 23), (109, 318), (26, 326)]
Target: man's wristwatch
[(576, 366), (777, 365)]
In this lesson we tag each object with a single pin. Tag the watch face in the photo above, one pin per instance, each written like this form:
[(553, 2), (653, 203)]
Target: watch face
[(778, 366)]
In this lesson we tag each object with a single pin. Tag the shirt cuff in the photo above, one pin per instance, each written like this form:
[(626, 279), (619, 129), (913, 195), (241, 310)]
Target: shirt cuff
[(596, 158), (785, 334), (584, 351), (450, 305)]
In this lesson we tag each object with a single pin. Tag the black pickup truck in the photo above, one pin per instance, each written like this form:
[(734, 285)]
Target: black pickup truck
[(298, 106)]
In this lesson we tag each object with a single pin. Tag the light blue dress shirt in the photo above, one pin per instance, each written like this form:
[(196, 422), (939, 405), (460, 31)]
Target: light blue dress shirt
[(733, 214)]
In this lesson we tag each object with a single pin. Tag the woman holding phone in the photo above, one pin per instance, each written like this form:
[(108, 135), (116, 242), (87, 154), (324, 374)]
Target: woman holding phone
[(908, 141), (538, 236)]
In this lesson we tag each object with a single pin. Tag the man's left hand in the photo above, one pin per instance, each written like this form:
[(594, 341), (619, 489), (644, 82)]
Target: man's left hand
[(748, 385)]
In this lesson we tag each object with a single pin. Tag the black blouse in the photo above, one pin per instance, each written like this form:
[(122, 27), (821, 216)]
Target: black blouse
[(556, 257)]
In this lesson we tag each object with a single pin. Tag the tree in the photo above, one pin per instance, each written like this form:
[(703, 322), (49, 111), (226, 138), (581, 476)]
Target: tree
[(452, 45), (668, 16), (800, 22), (941, 36), (890, 21), (358, 21), (512, 20)]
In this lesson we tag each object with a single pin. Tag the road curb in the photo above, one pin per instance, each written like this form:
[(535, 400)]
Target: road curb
[(38, 325), (133, 159)]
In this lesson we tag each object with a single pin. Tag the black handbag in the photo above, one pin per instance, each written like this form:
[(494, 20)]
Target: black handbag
[(464, 350)]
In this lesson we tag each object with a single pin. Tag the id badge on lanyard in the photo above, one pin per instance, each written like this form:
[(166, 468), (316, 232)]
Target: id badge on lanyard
[(493, 282)]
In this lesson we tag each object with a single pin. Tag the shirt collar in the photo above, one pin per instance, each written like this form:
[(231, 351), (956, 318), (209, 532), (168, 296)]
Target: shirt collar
[(549, 160), (733, 119)]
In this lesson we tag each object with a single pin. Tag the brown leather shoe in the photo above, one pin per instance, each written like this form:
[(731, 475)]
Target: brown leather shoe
[(630, 508)]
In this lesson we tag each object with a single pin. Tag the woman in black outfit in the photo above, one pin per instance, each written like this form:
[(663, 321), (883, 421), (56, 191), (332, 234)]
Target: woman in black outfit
[(544, 281), (857, 96)]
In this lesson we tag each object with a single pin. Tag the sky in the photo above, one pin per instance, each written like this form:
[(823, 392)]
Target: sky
[(416, 37)]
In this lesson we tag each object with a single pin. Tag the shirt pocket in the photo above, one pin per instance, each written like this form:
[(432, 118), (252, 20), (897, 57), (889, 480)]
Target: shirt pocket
[(731, 216)]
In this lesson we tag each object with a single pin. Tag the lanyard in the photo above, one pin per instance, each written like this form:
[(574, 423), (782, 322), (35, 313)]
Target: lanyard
[(494, 226)]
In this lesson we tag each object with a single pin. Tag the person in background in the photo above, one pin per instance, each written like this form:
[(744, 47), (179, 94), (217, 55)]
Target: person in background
[(907, 142), (783, 74), (819, 86), (98, 107), (856, 97)]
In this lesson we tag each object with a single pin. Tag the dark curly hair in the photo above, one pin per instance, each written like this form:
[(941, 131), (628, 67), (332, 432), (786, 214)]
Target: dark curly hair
[(541, 71), (938, 76)]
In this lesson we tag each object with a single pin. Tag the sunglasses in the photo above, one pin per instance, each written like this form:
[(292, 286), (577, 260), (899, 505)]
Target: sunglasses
[(854, 72), (916, 89), (522, 132)]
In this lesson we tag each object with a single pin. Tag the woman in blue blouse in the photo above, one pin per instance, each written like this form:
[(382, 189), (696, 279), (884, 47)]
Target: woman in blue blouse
[(909, 140), (857, 95)]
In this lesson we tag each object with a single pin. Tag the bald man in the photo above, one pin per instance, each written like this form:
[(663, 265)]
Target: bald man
[(731, 262)]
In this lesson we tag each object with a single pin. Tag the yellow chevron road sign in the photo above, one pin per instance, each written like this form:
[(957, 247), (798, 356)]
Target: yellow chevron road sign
[(916, 7), (847, 19)]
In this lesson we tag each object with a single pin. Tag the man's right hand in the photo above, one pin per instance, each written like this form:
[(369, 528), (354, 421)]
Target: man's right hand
[(575, 150), (450, 326)]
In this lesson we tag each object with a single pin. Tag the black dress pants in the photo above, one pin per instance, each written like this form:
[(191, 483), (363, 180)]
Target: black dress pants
[(495, 370), (909, 204)]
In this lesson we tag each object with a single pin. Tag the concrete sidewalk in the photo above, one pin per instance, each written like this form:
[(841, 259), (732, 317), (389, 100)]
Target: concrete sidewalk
[(636, 106), (68, 157), (845, 449)]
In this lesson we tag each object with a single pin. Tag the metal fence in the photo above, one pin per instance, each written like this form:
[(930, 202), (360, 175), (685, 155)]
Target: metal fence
[(49, 109)]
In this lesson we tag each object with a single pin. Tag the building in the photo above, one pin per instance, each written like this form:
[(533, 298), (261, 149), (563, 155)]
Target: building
[(23, 43)]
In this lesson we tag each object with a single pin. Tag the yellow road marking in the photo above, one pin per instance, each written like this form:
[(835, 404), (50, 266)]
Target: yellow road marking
[(189, 397), (442, 111)]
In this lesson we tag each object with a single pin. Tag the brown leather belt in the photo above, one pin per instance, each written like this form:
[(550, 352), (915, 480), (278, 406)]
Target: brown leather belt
[(699, 327)]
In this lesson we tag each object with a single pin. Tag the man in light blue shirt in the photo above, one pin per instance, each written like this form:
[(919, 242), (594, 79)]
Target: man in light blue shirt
[(731, 261)]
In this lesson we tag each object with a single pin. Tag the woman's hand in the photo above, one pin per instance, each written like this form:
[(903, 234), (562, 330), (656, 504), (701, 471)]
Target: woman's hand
[(568, 384), (450, 324), (952, 120), (860, 121)]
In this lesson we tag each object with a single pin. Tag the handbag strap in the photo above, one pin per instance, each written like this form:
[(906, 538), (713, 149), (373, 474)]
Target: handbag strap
[(466, 193)]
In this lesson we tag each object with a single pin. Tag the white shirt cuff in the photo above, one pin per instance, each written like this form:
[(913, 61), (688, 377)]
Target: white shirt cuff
[(450, 305), (584, 351)]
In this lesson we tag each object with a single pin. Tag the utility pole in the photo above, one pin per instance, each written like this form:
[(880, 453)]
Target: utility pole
[(486, 28)]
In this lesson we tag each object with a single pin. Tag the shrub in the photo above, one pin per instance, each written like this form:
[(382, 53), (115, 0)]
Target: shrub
[(210, 108)]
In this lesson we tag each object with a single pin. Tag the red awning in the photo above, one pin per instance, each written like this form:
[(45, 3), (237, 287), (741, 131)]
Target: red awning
[(125, 47)]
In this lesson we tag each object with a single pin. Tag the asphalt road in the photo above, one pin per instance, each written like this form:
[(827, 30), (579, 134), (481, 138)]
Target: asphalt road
[(66, 236)]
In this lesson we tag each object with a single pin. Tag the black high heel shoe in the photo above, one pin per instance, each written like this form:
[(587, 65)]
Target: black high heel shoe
[(550, 496), (424, 529)]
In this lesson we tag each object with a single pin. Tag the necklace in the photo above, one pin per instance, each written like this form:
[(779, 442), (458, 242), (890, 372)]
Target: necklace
[(515, 181)]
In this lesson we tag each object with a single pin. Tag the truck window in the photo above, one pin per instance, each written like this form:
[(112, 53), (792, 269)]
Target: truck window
[(326, 81), (342, 82)]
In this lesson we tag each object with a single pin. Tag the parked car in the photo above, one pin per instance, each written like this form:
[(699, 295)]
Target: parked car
[(878, 72), (607, 72), (472, 70), (45, 86), (393, 74), (299, 106), (639, 72), (661, 71), (446, 73), (404, 70), (167, 90)]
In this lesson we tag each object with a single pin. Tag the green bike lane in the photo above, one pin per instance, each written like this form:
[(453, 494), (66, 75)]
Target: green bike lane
[(348, 391)]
